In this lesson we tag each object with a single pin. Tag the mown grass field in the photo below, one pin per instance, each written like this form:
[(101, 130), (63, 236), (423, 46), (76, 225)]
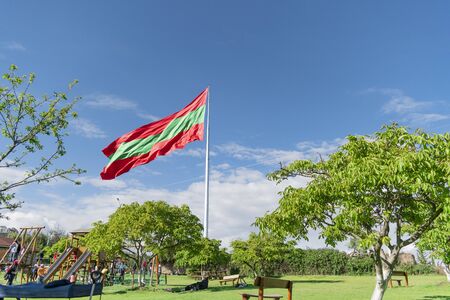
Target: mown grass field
[(305, 287), (430, 287)]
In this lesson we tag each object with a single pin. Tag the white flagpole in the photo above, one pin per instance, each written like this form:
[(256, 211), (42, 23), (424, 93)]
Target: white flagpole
[(205, 217)]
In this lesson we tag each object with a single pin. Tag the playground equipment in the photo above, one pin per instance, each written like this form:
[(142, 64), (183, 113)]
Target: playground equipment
[(27, 239), (74, 258), (57, 289), (78, 264)]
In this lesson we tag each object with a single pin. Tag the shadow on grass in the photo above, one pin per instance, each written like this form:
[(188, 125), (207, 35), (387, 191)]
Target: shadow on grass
[(116, 293), (317, 281), (125, 290), (436, 297)]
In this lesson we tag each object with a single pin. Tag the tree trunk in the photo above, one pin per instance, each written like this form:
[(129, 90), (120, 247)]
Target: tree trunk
[(380, 288), (446, 269), (378, 292), (383, 271), (139, 273)]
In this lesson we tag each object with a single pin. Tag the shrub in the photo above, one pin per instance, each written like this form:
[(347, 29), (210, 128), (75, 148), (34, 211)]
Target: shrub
[(360, 265), (419, 269)]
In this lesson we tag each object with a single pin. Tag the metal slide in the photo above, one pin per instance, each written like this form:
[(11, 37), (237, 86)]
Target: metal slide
[(77, 265), (57, 264)]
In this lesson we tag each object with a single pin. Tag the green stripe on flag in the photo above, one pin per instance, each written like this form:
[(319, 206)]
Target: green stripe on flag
[(141, 146)]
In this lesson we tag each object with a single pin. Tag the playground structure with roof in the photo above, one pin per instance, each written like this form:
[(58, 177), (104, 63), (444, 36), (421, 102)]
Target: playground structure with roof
[(75, 259)]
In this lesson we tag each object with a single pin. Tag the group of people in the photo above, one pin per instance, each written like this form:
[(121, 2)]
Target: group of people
[(116, 271), (15, 251), (38, 272)]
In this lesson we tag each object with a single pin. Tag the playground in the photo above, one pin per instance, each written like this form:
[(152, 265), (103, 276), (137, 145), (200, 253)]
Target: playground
[(121, 282)]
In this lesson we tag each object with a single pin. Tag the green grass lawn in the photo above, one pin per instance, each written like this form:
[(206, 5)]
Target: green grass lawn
[(431, 287), (305, 287)]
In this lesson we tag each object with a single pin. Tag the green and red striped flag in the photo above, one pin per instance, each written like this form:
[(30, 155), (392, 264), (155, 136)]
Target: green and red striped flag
[(145, 143)]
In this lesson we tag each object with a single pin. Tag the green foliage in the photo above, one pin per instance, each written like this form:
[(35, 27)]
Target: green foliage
[(153, 227), (360, 265), (57, 247), (317, 262), (437, 240), (418, 269), (370, 182), (206, 254), (326, 262), (261, 254), (384, 190), (27, 124)]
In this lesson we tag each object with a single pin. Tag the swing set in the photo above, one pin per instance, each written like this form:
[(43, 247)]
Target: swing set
[(27, 239)]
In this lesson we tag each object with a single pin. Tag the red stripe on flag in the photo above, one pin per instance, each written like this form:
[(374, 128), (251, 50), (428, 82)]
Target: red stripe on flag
[(121, 166), (155, 127)]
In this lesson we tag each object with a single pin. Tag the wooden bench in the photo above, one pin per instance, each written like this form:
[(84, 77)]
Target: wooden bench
[(236, 278), (399, 281), (266, 282)]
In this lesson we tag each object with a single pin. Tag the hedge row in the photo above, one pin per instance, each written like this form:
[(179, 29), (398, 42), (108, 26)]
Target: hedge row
[(334, 262), (325, 262)]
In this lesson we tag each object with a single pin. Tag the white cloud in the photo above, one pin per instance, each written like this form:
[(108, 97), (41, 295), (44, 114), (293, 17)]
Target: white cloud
[(116, 184), (324, 148), (410, 110), (107, 101), (264, 156), (236, 199), (114, 102), (398, 101), (11, 174), (224, 166), (87, 129), (195, 152), (422, 118), (270, 156), (13, 46), (402, 104), (147, 116)]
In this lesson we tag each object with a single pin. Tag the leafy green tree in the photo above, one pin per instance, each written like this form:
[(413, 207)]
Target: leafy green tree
[(153, 227), (26, 124), (206, 254), (261, 254), (57, 247), (437, 242), (385, 190)]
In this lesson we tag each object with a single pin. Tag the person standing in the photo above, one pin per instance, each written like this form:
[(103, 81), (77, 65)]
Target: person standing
[(41, 273), (18, 250), (12, 251), (11, 272)]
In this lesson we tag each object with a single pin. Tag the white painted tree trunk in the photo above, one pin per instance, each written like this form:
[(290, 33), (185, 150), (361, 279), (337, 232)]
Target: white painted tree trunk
[(446, 269), (383, 275), (378, 292), (380, 287)]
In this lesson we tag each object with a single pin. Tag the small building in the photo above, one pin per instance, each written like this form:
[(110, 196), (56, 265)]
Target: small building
[(5, 242), (3, 231)]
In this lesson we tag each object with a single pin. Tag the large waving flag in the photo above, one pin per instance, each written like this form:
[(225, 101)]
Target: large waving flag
[(145, 143)]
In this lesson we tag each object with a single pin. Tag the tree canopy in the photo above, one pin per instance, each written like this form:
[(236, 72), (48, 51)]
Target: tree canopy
[(386, 190), (261, 254), (206, 254), (32, 135), (437, 242), (153, 227)]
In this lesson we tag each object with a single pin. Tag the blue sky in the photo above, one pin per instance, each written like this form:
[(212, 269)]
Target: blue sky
[(288, 80)]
